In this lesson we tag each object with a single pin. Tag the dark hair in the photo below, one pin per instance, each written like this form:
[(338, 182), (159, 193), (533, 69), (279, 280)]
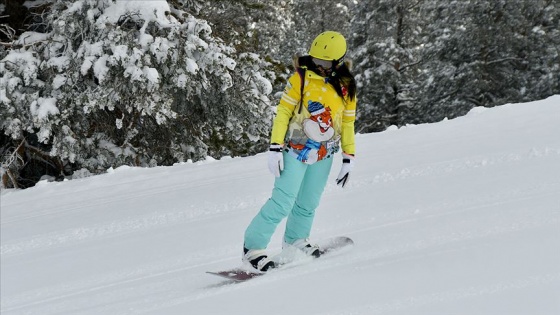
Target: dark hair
[(340, 76)]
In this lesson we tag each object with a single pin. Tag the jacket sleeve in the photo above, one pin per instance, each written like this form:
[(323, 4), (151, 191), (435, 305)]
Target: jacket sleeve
[(347, 131), (288, 103)]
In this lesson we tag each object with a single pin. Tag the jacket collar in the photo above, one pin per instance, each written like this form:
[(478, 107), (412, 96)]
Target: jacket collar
[(312, 75)]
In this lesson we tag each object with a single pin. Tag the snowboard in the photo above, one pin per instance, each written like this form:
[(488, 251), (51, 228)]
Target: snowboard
[(328, 247)]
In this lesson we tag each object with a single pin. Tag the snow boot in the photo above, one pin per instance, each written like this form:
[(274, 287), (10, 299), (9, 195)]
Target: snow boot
[(258, 259), (306, 247)]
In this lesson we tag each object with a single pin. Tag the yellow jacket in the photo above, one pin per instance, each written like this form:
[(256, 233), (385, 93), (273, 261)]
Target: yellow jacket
[(325, 123)]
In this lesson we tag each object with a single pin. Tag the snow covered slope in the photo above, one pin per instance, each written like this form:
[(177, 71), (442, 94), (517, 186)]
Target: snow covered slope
[(458, 217)]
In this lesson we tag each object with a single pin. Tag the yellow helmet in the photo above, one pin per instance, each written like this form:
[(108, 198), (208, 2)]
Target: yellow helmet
[(328, 45)]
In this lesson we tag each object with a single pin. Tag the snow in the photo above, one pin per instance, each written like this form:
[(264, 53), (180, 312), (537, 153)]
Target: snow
[(192, 67), (59, 81), (457, 217), (100, 68), (120, 52), (60, 63), (43, 107), (27, 60), (28, 38), (148, 11), (151, 74)]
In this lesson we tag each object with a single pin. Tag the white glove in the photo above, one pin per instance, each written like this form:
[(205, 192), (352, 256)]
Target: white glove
[(347, 165), (275, 159)]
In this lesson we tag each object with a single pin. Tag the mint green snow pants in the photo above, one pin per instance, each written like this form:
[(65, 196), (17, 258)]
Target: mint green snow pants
[(296, 195)]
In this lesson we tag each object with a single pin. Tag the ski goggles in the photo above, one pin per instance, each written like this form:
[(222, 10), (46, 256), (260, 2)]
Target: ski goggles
[(325, 64)]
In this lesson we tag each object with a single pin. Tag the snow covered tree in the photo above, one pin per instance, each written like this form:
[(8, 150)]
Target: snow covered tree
[(274, 29), (252, 27), (312, 17), (386, 37), (101, 83), (487, 53), (425, 60), (114, 83)]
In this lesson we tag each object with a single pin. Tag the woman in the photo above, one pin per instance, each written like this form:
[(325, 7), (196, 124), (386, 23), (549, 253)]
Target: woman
[(314, 119)]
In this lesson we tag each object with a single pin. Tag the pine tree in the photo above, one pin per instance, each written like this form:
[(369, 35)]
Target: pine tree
[(111, 85), (486, 54), (425, 60), (386, 37), (96, 84)]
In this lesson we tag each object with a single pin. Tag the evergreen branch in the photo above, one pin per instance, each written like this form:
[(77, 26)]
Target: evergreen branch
[(14, 157), (10, 164), (42, 156), (8, 31), (401, 69), (502, 60), (9, 174)]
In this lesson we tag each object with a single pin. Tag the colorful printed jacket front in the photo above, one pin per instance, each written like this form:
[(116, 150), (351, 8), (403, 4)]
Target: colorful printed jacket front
[(325, 122)]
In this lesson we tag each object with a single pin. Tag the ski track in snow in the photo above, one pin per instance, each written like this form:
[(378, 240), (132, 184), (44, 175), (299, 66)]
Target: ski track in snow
[(158, 274), (449, 296), (139, 224), (127, 195), (163, 219), (101, 289), (509, 207)]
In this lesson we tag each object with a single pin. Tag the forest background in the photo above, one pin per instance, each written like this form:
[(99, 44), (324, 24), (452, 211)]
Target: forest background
[(90, 85)]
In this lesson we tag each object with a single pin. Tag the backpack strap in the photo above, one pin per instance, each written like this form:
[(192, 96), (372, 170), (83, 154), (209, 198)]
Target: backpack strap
[(301, 72)]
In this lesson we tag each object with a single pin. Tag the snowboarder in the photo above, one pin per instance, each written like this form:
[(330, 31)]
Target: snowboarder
[(315, 117)]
